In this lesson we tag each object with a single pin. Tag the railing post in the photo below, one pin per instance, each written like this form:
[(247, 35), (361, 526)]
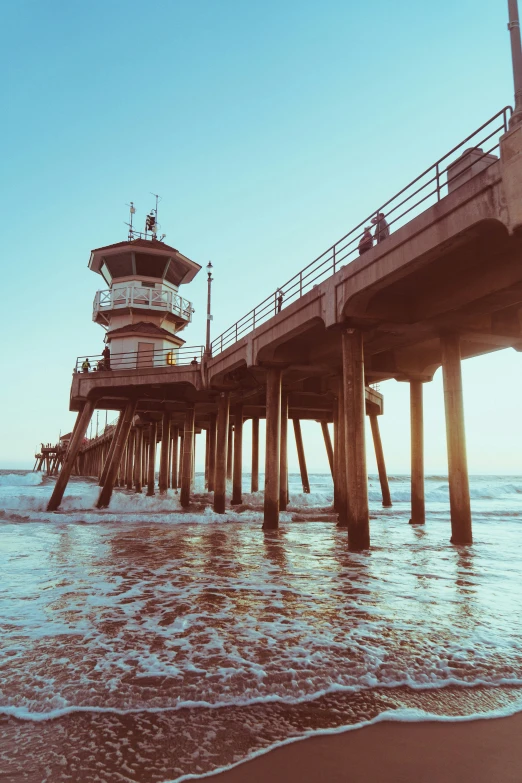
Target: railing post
[(438, 180), (333, 257), (221, 350), (236, 331), (300, 283), (253, 320)]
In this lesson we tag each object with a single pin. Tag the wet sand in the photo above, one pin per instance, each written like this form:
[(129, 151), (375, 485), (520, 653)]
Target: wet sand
[(482, 751)]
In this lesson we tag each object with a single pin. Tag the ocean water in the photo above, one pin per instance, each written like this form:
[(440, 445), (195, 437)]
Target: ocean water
[(146, 643)]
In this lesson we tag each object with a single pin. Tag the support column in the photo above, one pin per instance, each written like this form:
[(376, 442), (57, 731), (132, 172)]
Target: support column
[(169, 459), (174, 460), (180, 461), (273, 447), (335, 411), (78, 434), (138, 459), (212, 452), (144, 457), (207, 456), (186, 458), (220, 481), (379, 456), (110, 452), (283, 458), (230, 451), (418, 510), (354, 409), (301, 455), (130, 458), (237, 494), (328, 445), (254, 486), (164, 454), (342, 474), (151, 464), (456, 441), (106, 492), (193, 470)]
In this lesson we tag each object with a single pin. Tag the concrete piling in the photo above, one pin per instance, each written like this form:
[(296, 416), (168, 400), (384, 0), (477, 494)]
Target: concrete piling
[(301, 455), (230, 450), (237, 490), (164, 453), (342, 474), (151, 462), (130, 458), (460, 508), (212, 451), (174, 458), (110, 453), (112, 472), (328, 445), (254, 482), (418, 509), (78, 434), (138, 459), (354, 413), (186, 457), (220, 481), (272, 454), (381, 465), (283, 457)]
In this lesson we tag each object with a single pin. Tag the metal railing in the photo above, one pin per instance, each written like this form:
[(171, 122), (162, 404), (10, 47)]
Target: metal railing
[(424, 191), (146, 298), (134, 360)]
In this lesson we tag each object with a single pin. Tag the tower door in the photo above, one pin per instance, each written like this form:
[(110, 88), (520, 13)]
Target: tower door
[(145, 354)]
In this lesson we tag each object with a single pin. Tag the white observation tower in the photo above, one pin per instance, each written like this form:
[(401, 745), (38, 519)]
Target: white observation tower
[(141, 308)]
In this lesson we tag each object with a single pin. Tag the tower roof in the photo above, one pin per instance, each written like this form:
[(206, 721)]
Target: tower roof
[(143, 258)]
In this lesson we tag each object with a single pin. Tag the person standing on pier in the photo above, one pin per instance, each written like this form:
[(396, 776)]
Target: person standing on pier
[(382, 229), (106, 353), (366, 241)]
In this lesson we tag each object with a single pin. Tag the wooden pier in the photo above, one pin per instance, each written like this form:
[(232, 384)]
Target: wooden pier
[(445, 285)]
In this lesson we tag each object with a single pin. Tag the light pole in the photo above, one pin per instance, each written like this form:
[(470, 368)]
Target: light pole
[(516, 56), (209, 300)]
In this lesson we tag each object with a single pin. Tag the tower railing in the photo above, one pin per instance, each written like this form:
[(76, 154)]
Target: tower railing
[(422, 192), (140, 297), (165, 358)]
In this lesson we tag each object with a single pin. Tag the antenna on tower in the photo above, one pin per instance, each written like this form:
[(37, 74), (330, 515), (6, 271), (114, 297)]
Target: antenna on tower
[(132, 212)]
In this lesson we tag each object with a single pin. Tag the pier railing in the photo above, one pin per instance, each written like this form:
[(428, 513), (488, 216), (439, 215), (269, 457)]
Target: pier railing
[(422, 192), (144, 298), (134, 360)]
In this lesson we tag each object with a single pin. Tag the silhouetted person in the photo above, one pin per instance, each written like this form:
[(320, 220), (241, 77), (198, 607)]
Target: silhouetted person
[(86, 365), (382, 229), (194, 362), (366, 241), (280, 296)]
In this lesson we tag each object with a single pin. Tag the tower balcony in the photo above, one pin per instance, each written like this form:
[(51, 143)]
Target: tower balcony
[(136, 297)]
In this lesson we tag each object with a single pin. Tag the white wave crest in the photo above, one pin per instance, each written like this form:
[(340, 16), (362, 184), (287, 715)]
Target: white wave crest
[(21, 479)]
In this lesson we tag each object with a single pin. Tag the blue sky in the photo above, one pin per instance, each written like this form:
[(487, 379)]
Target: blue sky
[(269, 129)]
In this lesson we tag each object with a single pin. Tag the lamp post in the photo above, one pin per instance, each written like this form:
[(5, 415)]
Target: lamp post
[(516, 56), (209, 299)]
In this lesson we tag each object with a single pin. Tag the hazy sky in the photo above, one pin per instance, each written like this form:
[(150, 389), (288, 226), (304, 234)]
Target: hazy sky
[(270, 129)]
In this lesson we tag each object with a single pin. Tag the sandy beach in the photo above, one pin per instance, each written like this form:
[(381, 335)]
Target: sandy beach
[(479, 751)]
